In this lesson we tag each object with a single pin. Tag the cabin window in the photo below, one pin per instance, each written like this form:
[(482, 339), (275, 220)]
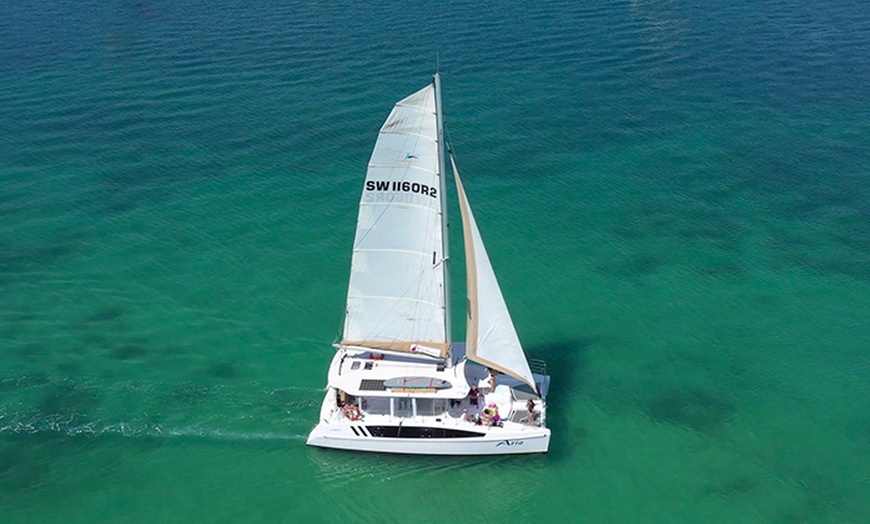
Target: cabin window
[(376, 405), (354, 365), (403, 407), (429, 407)]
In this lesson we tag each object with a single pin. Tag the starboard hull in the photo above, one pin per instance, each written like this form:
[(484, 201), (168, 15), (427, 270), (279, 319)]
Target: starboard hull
[(497, 441)]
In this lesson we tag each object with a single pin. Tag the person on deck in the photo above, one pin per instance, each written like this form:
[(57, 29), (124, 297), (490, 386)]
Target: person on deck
[(530, 415), (473, 395)]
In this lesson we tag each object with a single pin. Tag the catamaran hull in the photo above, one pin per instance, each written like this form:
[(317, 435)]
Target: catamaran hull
[(495, 442)]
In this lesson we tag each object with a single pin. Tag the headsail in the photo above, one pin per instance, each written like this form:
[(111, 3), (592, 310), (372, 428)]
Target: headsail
[(396, 294), (492, 339)]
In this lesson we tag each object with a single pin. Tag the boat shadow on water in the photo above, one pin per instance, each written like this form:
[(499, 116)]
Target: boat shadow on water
[(568, 367)]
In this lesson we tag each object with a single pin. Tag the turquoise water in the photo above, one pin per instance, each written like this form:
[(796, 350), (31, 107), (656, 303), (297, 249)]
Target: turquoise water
[(676, 197)]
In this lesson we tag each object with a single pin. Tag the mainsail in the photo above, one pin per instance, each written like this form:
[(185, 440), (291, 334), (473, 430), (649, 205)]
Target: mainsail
[(396, 297), (492, 339)]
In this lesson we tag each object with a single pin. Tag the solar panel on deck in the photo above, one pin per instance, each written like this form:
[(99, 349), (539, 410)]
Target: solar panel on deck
[(372, 385)]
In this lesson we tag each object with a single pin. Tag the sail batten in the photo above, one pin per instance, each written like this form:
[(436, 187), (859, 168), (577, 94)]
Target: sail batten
[(392, 132), (404, 299), (401, 165), (385, 250)]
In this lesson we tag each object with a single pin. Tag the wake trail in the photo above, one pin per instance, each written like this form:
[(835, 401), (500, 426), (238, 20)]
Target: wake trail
[(132, 430), (156, 410)]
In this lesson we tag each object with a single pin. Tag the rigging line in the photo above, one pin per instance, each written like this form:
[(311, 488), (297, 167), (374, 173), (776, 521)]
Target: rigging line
[(446, 136)]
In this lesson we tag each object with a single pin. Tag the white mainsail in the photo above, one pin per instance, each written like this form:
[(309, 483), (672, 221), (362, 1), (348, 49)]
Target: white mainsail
[(492, 339), (396, 298)]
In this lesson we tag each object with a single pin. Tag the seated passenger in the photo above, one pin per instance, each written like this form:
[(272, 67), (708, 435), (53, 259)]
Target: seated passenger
[(351, 411), (496, 418)]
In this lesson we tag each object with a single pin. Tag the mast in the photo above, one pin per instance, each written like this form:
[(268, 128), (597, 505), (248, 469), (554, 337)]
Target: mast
[(445, 224)]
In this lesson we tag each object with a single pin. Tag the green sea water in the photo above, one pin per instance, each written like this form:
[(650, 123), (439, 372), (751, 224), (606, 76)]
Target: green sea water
[(675, 197)]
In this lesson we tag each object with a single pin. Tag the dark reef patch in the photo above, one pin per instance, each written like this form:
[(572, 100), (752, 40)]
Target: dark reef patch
[(17, 260), (33, 351), (105, 314), (20, 470), (732, 488), (67, 399), (697, 409), (723, 268), (223, 370), (129, 350), (633, 265)]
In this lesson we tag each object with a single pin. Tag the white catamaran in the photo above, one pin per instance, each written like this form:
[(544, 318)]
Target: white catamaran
[(397, 384)]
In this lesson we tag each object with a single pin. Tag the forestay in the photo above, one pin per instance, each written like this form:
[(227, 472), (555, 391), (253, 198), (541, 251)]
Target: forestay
[(395, 298), (492, 339)]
